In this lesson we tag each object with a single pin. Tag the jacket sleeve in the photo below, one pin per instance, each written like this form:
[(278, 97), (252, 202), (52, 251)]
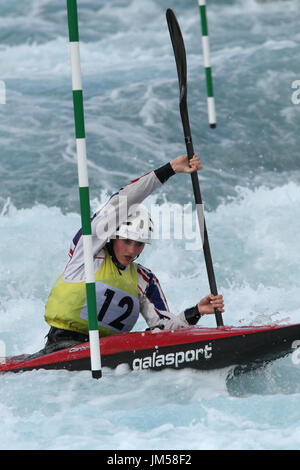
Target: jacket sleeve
[(153, 304), (114, 213)]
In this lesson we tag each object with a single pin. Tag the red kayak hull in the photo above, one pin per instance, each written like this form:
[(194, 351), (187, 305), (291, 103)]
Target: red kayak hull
[(194, 347)]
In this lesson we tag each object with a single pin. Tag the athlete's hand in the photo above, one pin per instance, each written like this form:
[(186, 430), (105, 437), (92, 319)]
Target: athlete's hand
[(183, 165), (209, 303)]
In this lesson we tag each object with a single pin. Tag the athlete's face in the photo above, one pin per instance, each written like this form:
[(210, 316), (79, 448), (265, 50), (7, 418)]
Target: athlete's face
[(127, 250)]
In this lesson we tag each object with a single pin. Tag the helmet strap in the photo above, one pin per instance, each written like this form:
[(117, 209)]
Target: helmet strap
[(120, 267)]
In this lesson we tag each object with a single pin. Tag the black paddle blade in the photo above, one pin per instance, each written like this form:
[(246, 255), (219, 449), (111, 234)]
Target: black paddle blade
[(180, 59), (179, 51)]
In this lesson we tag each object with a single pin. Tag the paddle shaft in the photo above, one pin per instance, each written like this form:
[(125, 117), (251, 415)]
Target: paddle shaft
[(180, 59), (202, 224)]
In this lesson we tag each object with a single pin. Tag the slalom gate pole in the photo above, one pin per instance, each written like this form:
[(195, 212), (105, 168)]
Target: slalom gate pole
[(207, 65), (84, 189)]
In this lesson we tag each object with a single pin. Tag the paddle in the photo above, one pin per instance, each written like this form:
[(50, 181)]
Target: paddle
[(180, 59)]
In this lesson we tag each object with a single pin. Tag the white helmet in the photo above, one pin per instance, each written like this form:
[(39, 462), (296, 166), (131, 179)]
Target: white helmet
[(138, 226)]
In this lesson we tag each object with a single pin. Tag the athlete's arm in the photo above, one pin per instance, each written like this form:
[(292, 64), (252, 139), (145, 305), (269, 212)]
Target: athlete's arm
[(154, 307), (114, 212)]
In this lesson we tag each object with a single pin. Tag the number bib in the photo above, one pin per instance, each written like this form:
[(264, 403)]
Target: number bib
[(117, 310)]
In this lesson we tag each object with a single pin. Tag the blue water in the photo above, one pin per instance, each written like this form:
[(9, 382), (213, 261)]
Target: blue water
[(250, 185)]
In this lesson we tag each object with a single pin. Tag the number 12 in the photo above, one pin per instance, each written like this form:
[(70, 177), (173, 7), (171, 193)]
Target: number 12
[(125, 301)]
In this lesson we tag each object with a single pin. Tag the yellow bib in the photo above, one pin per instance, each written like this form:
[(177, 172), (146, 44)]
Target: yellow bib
[(117, 301)]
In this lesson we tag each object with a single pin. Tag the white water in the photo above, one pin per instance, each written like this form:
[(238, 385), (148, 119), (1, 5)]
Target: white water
[(171, 409), (251, 190)]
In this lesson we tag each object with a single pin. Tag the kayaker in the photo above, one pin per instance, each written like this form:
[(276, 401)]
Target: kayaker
[(124, 288)]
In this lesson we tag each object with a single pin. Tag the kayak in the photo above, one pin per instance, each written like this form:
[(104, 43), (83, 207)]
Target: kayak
[(193, 347)]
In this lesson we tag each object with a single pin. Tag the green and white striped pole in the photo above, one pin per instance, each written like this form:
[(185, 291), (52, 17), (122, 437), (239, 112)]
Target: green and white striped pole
[(206, 56), (84, 189)]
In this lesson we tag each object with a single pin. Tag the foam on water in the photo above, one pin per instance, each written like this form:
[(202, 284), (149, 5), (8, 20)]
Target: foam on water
[(63, 410)]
